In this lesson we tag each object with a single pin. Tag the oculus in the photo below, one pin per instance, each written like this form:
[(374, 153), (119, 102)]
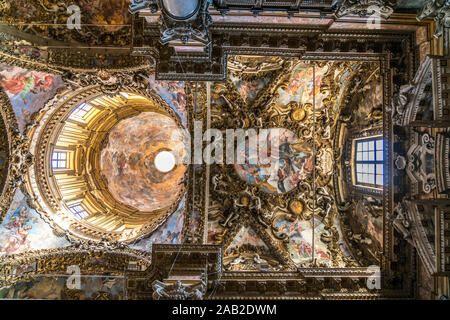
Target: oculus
[(164, 161)]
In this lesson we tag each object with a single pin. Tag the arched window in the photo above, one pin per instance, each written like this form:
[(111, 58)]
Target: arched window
[(369, 162)]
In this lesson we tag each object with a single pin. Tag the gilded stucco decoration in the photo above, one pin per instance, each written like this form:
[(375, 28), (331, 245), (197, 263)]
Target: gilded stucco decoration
[(288, 207), (84, 183), (299, 228)]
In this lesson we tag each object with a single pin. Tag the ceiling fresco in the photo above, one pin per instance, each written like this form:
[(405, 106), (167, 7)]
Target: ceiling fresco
[(28, 90), (106, 21), (24, 230), (248, 252), (171, 232), (283, 172), (278, 199), (128, 161), (173, 93), (277, 216)]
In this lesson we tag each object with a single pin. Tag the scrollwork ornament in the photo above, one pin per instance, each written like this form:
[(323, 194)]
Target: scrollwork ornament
[(439, 10), (366, 7), (19, 158)]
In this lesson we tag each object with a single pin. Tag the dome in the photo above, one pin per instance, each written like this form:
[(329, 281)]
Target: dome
[(128, 161), (97, 163)]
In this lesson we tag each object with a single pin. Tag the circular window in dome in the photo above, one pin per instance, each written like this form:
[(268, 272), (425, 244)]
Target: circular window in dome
[(165, 161)]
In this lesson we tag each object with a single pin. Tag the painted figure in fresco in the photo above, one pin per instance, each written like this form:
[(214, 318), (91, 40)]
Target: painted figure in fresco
[(249, 89), (20, 85), (173, 93), (370, 225), (300, 235), (24, 85), (195, 221), (18, 231), (44, 83), (26, 116), (293, 162), (279, 171), (32, 52), (303, 79)]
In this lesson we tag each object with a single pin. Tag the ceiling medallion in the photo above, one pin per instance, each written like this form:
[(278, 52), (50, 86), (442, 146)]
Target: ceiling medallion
[(296, 207)]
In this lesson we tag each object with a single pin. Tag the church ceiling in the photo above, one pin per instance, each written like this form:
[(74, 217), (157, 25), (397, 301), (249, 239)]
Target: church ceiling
[(114, 151), (278, 200), (272, 93)]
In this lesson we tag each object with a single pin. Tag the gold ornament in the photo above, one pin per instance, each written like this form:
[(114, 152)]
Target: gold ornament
[(296, 207)]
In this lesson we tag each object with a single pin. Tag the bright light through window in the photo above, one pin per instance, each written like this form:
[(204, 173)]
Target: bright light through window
[(369, 162), (59, 160), (81, 111), (79, 211)]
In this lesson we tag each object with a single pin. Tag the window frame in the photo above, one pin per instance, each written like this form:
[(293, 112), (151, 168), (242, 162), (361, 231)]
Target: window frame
[(81, 112), (76, 213), (375, 162), (60, 160)]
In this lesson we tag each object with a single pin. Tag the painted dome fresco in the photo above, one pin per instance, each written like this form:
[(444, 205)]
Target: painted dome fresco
[(128, 161)]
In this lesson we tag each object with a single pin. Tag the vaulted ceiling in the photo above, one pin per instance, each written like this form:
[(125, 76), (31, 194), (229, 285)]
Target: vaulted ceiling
[(86, 111)]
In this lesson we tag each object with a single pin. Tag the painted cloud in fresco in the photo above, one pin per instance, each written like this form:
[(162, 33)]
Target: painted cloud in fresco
[(172, 92), (169, 233), (23, 230), (28, 90)]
